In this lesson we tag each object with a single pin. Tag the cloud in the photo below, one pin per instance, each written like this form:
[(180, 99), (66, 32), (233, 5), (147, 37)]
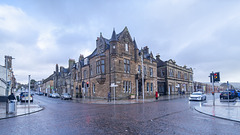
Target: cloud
[(191, 32)]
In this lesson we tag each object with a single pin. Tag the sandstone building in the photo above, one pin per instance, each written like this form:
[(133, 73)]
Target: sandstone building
[(173, 79), (116, 60)]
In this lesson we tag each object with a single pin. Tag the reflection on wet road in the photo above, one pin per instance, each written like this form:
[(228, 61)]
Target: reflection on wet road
[(164, 117)]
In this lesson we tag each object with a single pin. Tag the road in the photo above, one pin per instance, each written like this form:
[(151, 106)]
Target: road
[(164, 117)]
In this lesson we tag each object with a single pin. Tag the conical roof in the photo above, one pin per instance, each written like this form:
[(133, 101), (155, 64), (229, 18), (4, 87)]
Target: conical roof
[(114, 37)]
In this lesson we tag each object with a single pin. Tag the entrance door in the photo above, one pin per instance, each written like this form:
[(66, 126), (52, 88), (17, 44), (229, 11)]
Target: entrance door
[(140, 88)]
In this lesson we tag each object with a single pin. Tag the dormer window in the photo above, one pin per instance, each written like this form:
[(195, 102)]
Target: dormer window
[(126, 47)]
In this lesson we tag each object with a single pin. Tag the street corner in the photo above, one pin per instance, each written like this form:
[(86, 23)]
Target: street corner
[(223, 112), (21, 110), (28, 109)]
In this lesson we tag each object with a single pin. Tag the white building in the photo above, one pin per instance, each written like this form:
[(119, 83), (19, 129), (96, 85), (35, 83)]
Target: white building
[(3, 80)]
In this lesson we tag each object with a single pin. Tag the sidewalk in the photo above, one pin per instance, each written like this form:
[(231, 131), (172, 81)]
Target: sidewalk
[(127, 101), (22, 109), (222, 110)]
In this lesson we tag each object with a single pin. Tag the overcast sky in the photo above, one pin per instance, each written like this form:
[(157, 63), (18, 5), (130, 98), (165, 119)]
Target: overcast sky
[(202, 34)]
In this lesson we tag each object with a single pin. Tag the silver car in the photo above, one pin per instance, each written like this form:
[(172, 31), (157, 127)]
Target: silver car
[(197, 96), (55, 95), (66, 96)]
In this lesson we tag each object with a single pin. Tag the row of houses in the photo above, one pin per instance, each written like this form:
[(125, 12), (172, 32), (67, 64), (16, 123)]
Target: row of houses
[(119, 61)]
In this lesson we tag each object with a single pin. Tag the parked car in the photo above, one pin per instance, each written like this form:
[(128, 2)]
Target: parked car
[(200, 96), (238, 93), (39, 93), (50, 95), (24, 97), (231, 94), (55, 95), (66, 96)]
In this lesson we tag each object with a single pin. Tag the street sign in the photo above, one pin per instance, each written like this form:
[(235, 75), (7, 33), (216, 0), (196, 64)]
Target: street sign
[(113, 85)]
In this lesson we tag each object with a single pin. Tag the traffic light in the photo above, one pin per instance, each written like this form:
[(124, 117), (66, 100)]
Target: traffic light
[(8, 84), (216, 77), (87, 84)]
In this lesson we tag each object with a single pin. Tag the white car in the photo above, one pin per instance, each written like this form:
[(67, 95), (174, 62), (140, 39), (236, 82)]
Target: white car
[(200, 96), (55, 95), (66, 96)]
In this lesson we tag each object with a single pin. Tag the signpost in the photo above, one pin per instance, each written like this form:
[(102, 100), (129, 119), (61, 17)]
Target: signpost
[(114, 89)]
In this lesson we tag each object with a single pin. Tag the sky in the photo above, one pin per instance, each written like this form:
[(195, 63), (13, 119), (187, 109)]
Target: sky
[(201, 34)]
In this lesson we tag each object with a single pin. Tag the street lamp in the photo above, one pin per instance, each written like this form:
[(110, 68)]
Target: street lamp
[(142, 74)]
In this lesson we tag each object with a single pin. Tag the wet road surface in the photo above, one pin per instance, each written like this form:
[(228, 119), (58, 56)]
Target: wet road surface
[(164, 117)]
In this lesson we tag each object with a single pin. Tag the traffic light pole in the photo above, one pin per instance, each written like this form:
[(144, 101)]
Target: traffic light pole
[(213, 93)]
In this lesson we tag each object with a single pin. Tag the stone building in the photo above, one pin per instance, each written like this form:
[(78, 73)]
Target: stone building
[(47, 85), (116, 60), (173, 79)]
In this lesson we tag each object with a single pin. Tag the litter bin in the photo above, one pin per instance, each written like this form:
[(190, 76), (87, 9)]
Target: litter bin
[(11, 106)]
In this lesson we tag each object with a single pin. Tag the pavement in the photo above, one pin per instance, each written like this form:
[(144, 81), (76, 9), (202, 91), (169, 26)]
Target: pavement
[(127, 101), (224, 110), (21, 109)]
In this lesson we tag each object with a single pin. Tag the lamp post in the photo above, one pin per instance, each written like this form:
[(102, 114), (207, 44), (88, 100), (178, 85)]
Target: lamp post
[(6, 66), (29, 91), (142, 74)]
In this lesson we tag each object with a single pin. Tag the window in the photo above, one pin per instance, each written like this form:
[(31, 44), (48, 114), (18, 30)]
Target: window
[(162, 73), (151, 87), (85, 61), (145, 70), (100, 67), (85, 74), (185, 76), (127, 86), (151, 72), (171, 72), (93, 88), (191, 78), (147, 87), (126, 66), (126, 47), (179, 74), (91, 73)]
